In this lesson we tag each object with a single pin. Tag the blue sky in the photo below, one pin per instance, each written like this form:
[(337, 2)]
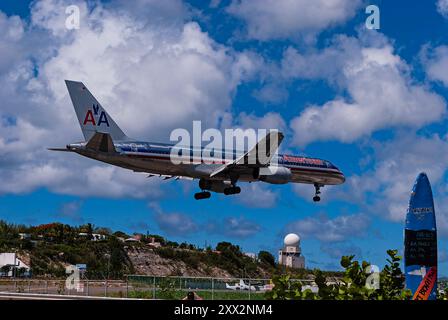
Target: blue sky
[(371, 101)]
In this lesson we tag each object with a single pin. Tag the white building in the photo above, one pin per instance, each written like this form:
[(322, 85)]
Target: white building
[(95, 236), (13, 262), (24, 236), (290, 254), (250, 255)]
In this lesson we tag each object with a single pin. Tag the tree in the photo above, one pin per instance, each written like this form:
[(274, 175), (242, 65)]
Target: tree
[(266, 257), (104, 231), (120, 234), (89, 231), (5, 270), (227, 246)]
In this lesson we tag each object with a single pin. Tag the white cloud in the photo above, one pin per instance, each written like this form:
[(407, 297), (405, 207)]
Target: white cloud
[(271, 94), (385, 190), (435, 61), (153, 72), (442, 7), (233, 227), (178, 224), (257, 195), (11, 44), (71, 210), (377, 93), (270, 120), (326, 229), (336, 251), (175, 224), (278, 19)]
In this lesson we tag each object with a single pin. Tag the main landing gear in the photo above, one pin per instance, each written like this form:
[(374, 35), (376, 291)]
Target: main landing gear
[(232, 190), (316, 197), (202, 195), (216, 186)]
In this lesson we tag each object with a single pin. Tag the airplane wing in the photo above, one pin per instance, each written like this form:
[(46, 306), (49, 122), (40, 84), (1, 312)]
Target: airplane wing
[(167, 177), (259, 156)]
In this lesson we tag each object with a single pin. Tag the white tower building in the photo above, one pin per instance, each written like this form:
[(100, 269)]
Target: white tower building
[(290, 254)]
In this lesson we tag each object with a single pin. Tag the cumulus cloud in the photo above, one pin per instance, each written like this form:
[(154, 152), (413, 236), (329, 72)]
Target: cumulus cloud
[(442, 7), (257, 195), (135, 64), (175, 224), (180, 224), (435, 61), (279, 19), (234, 227), (336, 251), (272, 94), (380, 93), (71, 210), (326, 229), (384, 190), (270, 120)]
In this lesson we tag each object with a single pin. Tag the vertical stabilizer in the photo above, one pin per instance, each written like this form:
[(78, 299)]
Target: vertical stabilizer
[(91, 115)]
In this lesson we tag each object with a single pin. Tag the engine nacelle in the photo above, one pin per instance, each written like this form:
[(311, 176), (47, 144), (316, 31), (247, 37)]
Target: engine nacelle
[(215, 186), (275, 175)]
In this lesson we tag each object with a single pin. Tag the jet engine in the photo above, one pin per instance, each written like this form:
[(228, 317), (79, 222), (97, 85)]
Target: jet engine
[(274, 175)]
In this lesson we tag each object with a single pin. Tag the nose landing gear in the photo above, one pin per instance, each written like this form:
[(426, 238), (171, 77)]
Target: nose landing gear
[(316, 197)]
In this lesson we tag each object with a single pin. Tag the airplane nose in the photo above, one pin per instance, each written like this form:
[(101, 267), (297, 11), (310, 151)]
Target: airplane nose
[(342, 177)]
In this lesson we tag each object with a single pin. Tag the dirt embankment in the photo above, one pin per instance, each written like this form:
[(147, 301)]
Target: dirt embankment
[(147, 262)]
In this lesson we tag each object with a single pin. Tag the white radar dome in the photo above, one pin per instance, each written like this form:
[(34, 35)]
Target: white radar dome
[(291, 240)]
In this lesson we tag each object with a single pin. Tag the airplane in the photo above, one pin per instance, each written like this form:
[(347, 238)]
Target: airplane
[(418, 272), (106, 142), (240, 286)]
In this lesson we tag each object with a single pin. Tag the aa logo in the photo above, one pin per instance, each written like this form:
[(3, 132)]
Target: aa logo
[(92, 115)]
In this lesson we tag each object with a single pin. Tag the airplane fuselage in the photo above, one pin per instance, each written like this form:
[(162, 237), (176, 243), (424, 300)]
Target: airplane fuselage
[(155, 158)]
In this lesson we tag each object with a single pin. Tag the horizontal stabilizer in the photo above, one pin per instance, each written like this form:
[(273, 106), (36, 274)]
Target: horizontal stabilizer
[(60, 149)]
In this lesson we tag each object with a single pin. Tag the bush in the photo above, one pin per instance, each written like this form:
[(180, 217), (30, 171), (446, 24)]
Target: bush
[(266, 257), (351, 287)]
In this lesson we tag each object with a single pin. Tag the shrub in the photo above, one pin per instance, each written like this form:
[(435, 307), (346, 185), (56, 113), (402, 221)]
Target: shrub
[(352, 286)]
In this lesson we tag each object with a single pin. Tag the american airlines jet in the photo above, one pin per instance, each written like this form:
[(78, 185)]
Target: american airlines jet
[(106, 142)]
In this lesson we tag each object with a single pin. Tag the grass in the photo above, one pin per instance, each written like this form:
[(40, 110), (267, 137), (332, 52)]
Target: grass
[(205, 294)]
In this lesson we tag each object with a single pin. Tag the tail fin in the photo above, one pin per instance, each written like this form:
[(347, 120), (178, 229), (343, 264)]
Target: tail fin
[(91, 115)]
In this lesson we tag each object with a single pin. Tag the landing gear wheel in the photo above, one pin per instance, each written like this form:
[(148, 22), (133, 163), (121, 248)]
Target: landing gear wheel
[(317, 187), (202, 195), (232, 190)]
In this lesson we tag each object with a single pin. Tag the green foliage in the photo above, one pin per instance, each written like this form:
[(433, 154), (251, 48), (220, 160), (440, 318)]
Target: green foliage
[(120, 234), (167, 289), (352, 286), (56, 245), (228, 247), (267, 258), (284, 289)]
